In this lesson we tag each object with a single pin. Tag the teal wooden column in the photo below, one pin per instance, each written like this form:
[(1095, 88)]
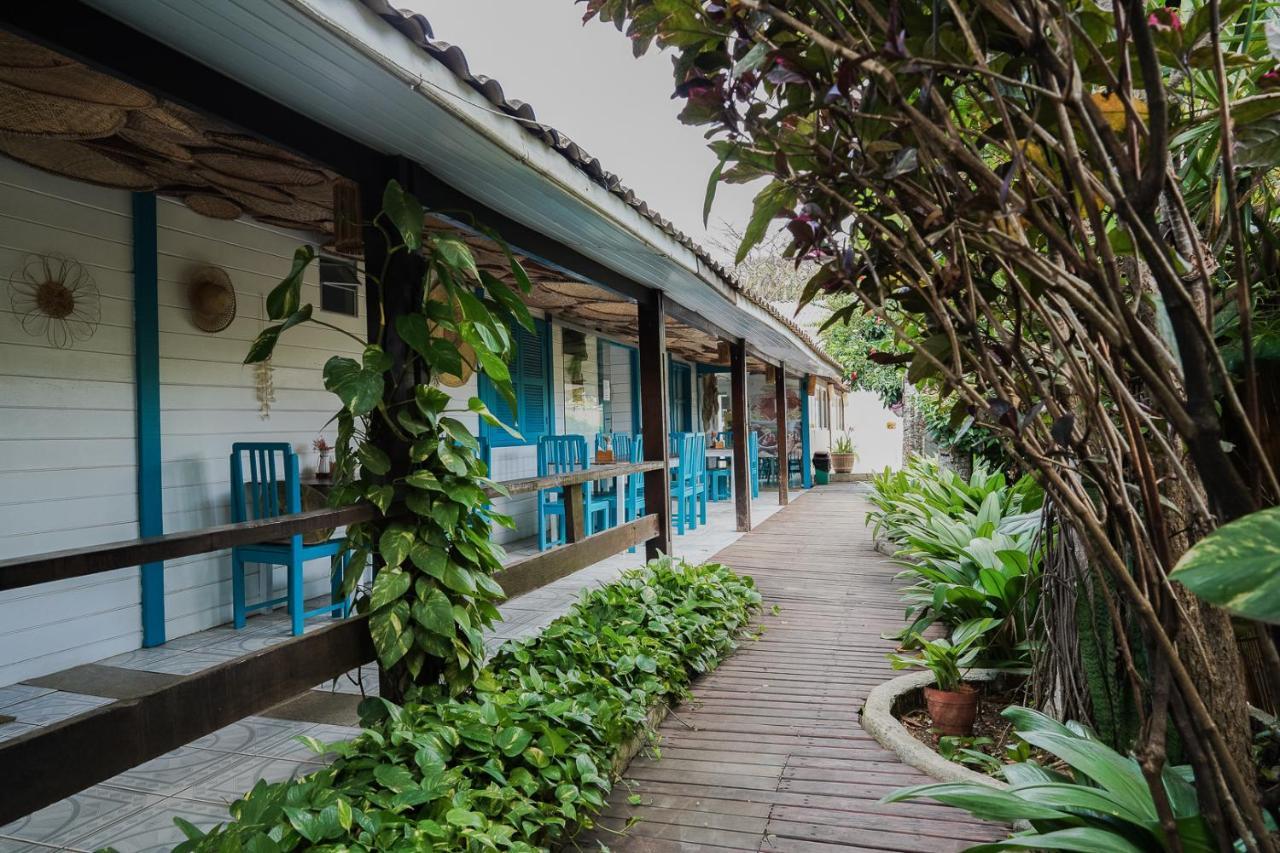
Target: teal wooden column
[(806, 449), (146, 359)]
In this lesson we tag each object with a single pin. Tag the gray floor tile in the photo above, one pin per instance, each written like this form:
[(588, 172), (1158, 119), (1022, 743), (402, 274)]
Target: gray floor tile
[(231, 783), (147, 659), (186, 663), (174, 771), (203, 639), (153, 829), (243, 644), (13, 845), (15, 693), (250, 734), (294, 749), (53, 707), (77, 816)]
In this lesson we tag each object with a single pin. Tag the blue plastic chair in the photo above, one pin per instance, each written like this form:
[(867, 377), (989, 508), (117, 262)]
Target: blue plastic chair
[(562, 454), (753, 462), (689, 483), (272, 489)]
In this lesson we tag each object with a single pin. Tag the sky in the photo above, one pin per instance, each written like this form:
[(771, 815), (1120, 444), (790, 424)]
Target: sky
[(583, 81)]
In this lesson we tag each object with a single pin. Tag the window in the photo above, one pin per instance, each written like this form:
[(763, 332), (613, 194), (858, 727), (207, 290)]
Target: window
[(840, 412), (822, 402), (531, 381), (339, 287), (680, 390)]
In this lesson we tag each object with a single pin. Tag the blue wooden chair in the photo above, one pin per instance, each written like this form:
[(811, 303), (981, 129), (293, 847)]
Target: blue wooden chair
[(720, 471), (689, 483), (562, 454), (753, 462), (620, 444), (273, 488), (701, 485), (633, 492), (683, 488)]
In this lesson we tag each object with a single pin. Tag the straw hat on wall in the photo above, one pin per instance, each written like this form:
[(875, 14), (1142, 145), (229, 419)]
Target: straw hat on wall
[(213, 299)]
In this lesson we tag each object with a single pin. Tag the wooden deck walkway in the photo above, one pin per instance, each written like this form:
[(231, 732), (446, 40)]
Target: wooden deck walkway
[(769, 754)]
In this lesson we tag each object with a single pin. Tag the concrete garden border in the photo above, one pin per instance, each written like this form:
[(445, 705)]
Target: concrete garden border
[(879, 721)]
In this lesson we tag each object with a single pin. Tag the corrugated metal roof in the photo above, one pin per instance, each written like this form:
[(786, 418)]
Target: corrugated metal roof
[(417, 29)]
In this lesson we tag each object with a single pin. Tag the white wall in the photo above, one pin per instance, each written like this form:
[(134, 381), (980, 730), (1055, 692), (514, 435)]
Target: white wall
[(876, 432), (67, 417), (208, 398), (622, 398), (67, 433)]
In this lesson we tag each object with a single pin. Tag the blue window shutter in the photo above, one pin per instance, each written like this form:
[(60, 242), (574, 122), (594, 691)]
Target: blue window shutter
[(680, 397), (534, 392), (530, 380)]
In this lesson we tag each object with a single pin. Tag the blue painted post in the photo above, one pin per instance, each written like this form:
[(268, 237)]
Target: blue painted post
[(806, 454), (146, 343)]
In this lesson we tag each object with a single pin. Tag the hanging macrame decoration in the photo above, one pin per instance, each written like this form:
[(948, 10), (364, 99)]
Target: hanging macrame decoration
[(266, 383), (55, 296)]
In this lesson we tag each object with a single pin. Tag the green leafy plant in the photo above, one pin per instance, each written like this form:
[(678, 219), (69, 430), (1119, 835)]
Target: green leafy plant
[(1237, 566), (1103, 803), (843, 444), (948, 659), (970, 548), (400, 444), (1049, 205), (964, 750), (526, 757)]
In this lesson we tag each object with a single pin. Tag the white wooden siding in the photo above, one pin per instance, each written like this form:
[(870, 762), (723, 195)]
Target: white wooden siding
[(208, 398), (67, 435)]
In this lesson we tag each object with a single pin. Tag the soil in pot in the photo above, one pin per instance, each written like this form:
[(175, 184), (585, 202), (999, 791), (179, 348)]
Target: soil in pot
[(953, 711)]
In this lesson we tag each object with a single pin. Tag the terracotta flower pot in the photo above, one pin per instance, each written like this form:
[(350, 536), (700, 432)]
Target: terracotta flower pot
[(953, 711), (842, 463)]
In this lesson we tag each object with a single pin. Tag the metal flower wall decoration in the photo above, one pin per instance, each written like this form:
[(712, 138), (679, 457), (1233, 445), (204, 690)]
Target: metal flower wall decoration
[(55, 296)]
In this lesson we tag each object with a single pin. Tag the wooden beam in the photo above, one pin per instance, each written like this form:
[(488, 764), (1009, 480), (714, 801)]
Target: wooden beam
[(541, 569), (575, 512), (77, 562), (56, 761), (652, 332), (741, 419), (780, 402), (605, 471), (53, 762)]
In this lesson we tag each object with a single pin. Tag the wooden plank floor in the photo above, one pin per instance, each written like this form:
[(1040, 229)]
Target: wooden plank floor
[(769, 754)]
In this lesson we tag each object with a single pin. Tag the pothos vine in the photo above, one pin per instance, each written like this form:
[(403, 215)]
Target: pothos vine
[(433, 592)]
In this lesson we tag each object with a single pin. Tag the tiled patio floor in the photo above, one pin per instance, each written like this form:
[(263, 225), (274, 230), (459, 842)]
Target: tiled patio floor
[(134, 811)]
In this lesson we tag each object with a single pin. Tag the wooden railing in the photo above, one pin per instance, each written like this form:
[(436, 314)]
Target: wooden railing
[(56, 761)]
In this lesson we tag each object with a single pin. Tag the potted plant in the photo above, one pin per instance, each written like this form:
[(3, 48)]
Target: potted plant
[(952, 703), (322, 450), (843, 456)]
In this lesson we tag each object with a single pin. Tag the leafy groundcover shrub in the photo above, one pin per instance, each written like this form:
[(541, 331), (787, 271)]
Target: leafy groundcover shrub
[(970, 548), (1098, 800), (524, 760)]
